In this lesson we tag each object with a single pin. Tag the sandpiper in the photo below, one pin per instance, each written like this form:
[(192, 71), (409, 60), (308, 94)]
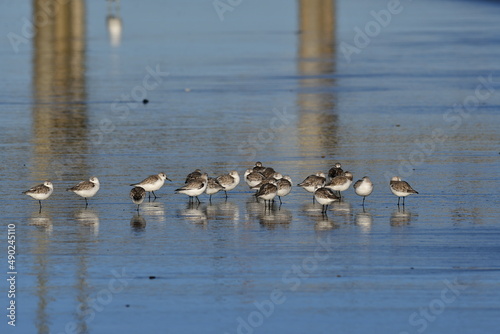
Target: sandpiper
[(258, 167), (213, 187), (267, 192), (363, 187), (312, 182), (229, 181), (325, 197), (193, 175), (195, 187), (284, 185), (152, 183), (401, 188), (268, 172), (40, 192), (336, 170), (253, 178), (86, 189), (137, 194), (340, 183)]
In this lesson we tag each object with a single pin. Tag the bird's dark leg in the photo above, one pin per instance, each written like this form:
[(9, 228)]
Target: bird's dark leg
[(154, 194), (225, 192), (40, 202), (138, 205), (86, 202), (279, 197), (210, 199), (403, 201), (364, 200), (198, 200), (314, 200), (398, 200)]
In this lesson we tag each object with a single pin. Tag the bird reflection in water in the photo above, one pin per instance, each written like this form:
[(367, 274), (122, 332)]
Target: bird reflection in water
[(154, 211), (275, 217), (42, 220), (114, 23), (364, 220), (401, 217), (342, 211), (88, 218), (193, 213), (138, 223), (324, 223), (223, 211)]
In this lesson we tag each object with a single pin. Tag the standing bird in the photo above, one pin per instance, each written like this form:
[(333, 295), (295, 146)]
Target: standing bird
[(313, 182), (194, 175), (258, 167), (229, 181), (336, 170), (267, 192), (213, 187), (325, 197), (195, 187), (401, 188), (284, 186), (86, 189), (137, 194), (340, 183), (40, 192), (253, 178), (363, 187), (152, 183)]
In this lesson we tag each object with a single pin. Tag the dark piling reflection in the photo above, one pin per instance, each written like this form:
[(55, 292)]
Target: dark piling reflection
[(60, 129), (316, 66)]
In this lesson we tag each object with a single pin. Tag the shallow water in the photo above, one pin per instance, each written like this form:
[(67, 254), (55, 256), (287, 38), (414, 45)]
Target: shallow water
[(245, 89)]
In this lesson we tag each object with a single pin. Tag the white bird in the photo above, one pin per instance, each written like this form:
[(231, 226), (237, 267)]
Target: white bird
[(340, 183), (363, 187), (229, 181), (152, 183), (195, 187), (40, 192), (284, 185), (325, 197), (401, 188), (213, 187), (86, 189), (267, 192)]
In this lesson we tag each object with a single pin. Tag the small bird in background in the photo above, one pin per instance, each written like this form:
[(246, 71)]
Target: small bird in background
[(336, 170), (401, 188), (340, 183), (137, 194), (40, 192), (152, 183), (229, 181), (325, 197), (363, 187), (253, 178), (86, 189)]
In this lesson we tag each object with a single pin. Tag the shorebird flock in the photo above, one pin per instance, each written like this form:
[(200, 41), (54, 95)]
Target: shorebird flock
[(265, 181)]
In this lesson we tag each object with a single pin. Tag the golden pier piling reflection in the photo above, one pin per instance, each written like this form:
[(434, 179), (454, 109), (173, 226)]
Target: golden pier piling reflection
[(316, 65)]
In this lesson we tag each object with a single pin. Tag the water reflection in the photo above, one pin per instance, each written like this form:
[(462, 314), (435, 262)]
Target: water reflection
[(401, 217), (193, 213), (226, 210), (59, 126), (154, 210), (342, 210), (114, 22), (276, 217), (59, 112), (138, 223), (316, 65), (42, 219), (364, 220), (89, 218)]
